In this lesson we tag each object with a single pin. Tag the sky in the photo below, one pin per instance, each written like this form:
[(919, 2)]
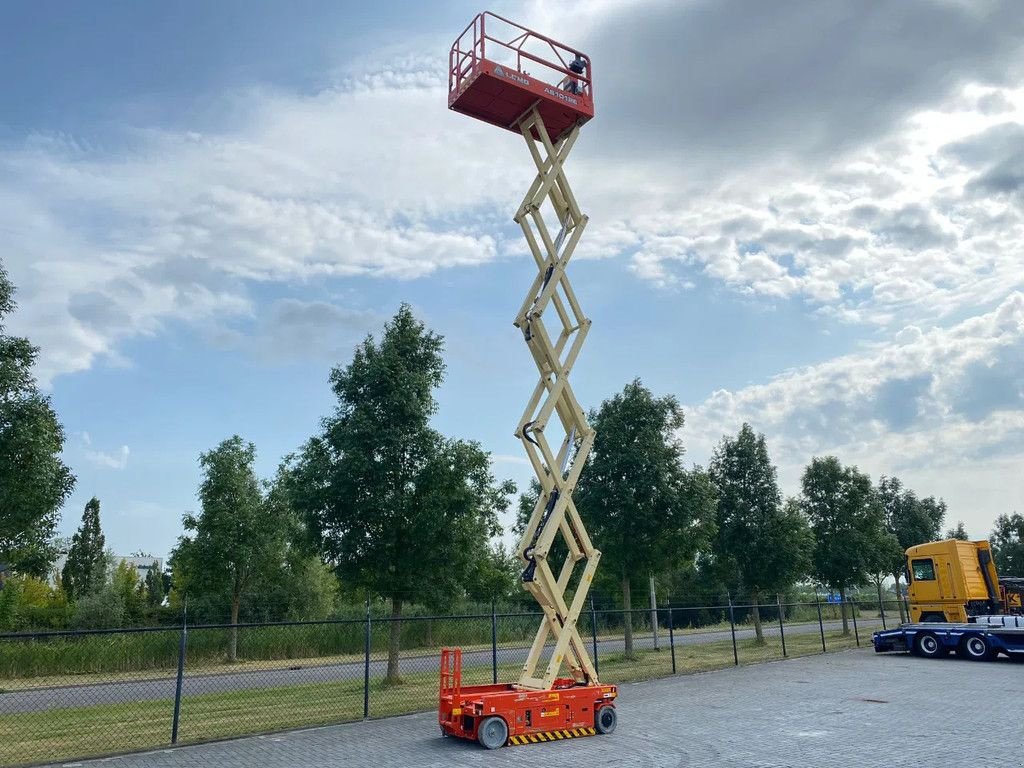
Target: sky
[(803, 215)]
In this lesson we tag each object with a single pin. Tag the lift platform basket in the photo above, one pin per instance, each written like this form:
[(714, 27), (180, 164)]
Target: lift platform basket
[(499, 70)]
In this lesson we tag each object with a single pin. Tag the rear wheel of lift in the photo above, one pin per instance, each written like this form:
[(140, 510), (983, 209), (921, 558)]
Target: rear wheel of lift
[(492, 733), (606, 720), (929, 646), (976, 648)]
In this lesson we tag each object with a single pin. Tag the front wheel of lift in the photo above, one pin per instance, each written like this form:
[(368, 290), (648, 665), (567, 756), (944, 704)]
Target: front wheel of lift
[(606, 720), (492, 733)]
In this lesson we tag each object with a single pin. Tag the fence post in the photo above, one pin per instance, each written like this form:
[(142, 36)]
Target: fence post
[(593, 632), (881, 606), (853, 610), (672, 639), (494, 644), (782, 628), (181, 672), (654, 612), (366, 664), (732, 624), (821, 625)]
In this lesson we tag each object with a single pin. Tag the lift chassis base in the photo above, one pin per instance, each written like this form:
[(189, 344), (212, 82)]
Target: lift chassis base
[(496, 715)]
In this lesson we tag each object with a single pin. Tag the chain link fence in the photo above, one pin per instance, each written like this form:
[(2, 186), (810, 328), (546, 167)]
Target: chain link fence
[(67, 695)]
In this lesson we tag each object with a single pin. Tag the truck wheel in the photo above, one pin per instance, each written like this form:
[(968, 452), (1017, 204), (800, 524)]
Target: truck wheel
[(492, 733), (976, 648), (929, 646), (606, 719)]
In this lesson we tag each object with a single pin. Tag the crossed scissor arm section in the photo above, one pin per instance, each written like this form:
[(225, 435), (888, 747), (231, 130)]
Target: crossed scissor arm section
[(558, 472)]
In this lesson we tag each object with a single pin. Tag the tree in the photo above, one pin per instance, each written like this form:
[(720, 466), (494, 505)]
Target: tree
[(495, 576), (847, 520), (957, 532), (770, 544), (153, 587), (239, 536), (28, 602), (34, 482), (911, 521), (398, 509), (1007, 541), (124, 583), (308, 588), (85, 571), (643, 510)]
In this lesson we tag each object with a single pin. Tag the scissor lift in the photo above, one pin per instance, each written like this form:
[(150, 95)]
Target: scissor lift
[(510, 76)]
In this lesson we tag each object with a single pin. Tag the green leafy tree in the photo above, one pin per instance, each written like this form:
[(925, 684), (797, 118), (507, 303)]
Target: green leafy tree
[(85, 571), (957, 532), (28, 602), (239, 536), (770, 544), (34, 482), (847, 520), (643, 510), (495, 576), (1007, 541), (124, 582), (398, 509), (309, 589), (153, 587), (100, 610), (910, 521)]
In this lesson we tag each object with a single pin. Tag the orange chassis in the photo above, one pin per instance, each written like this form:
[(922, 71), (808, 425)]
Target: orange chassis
[(569, 709)]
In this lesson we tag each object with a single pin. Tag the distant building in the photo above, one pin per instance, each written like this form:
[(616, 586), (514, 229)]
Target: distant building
[(142, 565)]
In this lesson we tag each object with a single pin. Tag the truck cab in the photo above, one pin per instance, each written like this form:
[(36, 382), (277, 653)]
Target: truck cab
[(952, 581)]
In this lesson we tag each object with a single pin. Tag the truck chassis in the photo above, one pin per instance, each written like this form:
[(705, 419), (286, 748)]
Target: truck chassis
[(979, 641)]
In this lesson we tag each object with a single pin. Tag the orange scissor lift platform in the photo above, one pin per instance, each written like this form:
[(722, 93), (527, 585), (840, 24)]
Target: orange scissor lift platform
[(509, 76), (567, 710), (498, 71)]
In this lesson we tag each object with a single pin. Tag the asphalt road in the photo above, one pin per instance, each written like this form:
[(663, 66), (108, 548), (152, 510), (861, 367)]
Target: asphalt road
[(120, 692), (827, 711)]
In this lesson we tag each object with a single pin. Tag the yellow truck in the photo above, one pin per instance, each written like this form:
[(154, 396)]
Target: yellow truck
[(954, 580)]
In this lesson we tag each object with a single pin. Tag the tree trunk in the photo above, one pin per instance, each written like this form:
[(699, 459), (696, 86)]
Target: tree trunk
[(842, 610), (236, 601), (394, 641), (758, 631), (899, 599), (627, 616)]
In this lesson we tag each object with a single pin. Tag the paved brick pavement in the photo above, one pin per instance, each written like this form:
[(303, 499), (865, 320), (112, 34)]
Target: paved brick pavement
[(842, 709)]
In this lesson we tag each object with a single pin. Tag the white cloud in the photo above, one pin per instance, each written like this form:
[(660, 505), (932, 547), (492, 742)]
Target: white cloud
[(290, 330), (118, 460), (933, 405), (105, 245), (837, 186), (912, 227)]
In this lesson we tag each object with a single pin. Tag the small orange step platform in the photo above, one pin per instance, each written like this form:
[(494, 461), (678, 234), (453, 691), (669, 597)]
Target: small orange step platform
[(498, 70), (496, 715)]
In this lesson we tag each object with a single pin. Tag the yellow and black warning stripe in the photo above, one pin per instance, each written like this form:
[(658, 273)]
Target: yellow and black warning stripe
[(565, 733)]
